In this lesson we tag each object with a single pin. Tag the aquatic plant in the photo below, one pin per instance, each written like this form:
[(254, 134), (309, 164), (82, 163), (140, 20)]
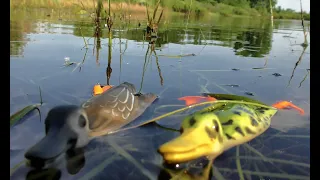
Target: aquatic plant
[(18, 116)]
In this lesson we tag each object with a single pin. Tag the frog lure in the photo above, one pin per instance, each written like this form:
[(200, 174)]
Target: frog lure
[(231, 121)]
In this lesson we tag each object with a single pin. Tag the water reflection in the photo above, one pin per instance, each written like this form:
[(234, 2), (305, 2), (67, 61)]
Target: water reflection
[(18, 39), (121, 52), (252, 42), (255, 43), (198, 169), (296, 65), (83, 60), (305, 77), (151, 51), (287, 160), (109, 69), (75, 161), (50, 173)]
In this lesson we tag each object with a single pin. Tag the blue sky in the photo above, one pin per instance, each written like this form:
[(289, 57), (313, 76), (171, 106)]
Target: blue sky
[(295, 4)]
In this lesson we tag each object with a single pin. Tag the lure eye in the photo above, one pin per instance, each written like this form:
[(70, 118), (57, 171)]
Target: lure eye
[(82, 121), (72, 142), (181, 130)]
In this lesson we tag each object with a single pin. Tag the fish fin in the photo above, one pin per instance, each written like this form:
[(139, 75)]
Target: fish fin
[(210, 98), (190, 100), (287, 104)]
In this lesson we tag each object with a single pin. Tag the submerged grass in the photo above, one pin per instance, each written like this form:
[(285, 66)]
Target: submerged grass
[(18, 116), (216, 173), (97, 169), (127, 156), (12, 170), (267, 174), (274, 160), (239, 168)]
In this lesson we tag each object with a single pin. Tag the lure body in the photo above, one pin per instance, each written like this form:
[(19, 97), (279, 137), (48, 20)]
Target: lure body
[(215, 129)]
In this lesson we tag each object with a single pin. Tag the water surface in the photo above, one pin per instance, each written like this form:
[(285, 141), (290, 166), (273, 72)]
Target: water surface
[(39, 44)]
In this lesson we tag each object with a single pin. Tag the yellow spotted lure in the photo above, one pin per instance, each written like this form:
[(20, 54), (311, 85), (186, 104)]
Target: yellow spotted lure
[(215, 129)]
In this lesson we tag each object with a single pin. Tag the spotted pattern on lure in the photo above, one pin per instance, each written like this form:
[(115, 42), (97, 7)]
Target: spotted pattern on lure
[(238, 120), (215, 129)]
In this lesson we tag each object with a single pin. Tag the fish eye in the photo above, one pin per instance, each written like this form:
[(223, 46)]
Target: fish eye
[(82, 121)]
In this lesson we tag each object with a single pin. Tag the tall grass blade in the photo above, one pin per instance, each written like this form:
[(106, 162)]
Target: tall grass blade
[(239, 168), (18, 116)]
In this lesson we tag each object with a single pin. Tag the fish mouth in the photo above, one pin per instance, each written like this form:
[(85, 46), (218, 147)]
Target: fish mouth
[(186, 147), (184, 156), (49, 148)]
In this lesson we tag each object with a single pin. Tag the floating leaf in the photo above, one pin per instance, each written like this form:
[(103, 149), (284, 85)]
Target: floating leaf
[(231, 85), (289, 37), (69, 63), (249, 93), (177, 56), (276, 74)]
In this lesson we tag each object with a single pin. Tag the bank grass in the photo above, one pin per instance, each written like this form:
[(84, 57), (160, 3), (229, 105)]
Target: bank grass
[(290, 15), (170, 6), (76, 4), (227, 10)]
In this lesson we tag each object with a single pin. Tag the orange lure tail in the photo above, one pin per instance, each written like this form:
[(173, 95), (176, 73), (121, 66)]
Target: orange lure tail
[(287, 104), (98, 89), (190, 100)]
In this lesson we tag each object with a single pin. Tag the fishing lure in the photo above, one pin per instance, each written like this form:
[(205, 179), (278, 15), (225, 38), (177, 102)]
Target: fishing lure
[(215, 129)]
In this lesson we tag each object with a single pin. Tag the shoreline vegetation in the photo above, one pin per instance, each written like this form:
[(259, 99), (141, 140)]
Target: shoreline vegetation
[(227, 8)]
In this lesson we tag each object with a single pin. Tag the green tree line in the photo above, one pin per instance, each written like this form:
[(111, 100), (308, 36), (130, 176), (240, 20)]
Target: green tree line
[(253, 8), (228, 7)]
